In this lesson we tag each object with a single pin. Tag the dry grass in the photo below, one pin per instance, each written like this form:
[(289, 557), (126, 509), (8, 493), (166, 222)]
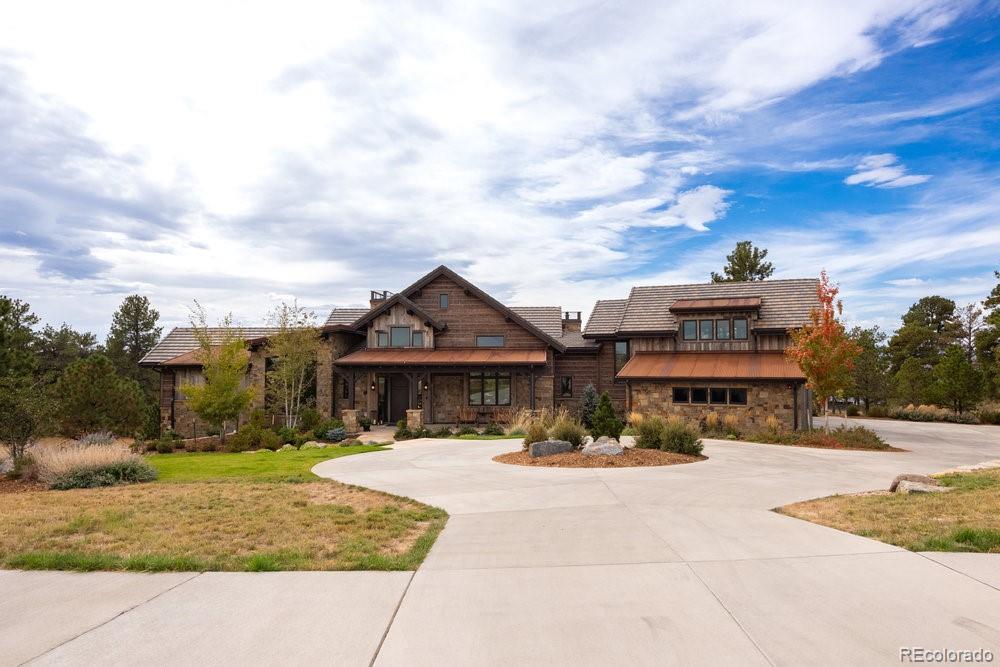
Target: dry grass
[(53, 462), (216, 526), (964, 519), (632, 458)]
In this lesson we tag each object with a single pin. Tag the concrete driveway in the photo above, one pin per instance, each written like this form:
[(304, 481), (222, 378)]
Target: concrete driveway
[(677, 565)]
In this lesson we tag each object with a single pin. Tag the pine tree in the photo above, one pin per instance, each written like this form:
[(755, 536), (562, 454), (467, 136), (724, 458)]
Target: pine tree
[(92, 397), (17, 337), (744, 263), (588, 403), (604, 421), (956, 382), (132, 335)]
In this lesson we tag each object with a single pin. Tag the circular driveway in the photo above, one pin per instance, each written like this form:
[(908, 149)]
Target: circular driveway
[(678, 564)]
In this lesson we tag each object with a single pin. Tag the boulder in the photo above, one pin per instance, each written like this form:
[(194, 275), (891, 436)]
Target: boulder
[(608, 448), (312, 444), (287, 448), (918, 479), (548, 448), (919, 487)]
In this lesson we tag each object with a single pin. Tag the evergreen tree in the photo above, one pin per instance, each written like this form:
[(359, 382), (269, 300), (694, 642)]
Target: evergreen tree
[(744, 263), (17, 338), (929, 327), (604, 421), (58, 348), (956, 382), (988, 340), (911, 383), (588, 403), (134, 332), (93, 397), (871, 377)]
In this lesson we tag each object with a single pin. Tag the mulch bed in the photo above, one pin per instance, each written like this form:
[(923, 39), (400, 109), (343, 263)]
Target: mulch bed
[(632, 458), (8, 485)]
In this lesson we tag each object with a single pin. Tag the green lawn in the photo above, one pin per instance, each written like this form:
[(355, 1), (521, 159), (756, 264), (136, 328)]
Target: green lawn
[(257, 467)]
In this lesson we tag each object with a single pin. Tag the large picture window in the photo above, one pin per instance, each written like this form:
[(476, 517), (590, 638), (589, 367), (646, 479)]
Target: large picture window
[(399, 336), (621, 354), (489, 341), (489, 388)]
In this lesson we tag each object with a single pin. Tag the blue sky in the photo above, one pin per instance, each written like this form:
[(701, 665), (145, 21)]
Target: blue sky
[(555, 154)]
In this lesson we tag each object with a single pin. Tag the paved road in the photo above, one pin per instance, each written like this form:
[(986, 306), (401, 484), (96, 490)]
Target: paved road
[(677, 565)]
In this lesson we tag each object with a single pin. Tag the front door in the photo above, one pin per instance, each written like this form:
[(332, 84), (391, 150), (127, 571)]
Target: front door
[(399, 397)]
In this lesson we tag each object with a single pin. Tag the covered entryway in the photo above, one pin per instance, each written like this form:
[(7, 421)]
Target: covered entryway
[(394, 397)]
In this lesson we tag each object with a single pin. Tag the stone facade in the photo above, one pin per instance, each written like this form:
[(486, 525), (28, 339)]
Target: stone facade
[(415, 419), (763, 400)]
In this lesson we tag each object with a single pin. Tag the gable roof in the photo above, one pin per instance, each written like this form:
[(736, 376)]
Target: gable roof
[(487, 299), (784, 304), (546, 318), (344, 316), (182, 340), (387, 305)]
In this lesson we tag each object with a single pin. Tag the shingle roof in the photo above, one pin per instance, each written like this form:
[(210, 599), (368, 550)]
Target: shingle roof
[(181, 340), (546, 318), (783, 304), (605, 317), (574, 340), (345, 316)]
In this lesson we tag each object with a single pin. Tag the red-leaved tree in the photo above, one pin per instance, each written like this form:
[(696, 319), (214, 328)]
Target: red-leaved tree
[(822, 348)]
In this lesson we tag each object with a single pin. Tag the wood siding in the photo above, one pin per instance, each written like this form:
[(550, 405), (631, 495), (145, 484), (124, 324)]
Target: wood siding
[(583, 369), (398, 317), (663, 344)]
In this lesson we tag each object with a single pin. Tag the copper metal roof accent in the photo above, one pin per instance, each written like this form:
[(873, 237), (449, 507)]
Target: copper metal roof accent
[(710, 366)]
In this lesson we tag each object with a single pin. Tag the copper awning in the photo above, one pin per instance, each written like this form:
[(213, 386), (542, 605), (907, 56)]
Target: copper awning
[(735, 303), (443, 357), (711, 366)]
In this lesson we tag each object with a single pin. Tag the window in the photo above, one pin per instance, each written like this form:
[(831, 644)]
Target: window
[(740, 329), (566, 387), (621, 355), (489, 341), (489, 388), (345, 389), (381, 339), (690, 330), (699, 395), (717, 395), (682, 395), (705, 328), (399, 336), (443, 301), (418, 339), (738, 396), (722, 329)]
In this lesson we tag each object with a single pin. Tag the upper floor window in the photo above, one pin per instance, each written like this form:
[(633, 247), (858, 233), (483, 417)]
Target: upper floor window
[(399, 336), (382, 339), (722, 330), (740, 329), (418, 339), (621, 355), (489, 341), (566, 387), (705, 329), (443, 301), (690, 330)]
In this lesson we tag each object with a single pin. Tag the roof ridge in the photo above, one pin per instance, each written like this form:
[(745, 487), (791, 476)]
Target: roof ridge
[(733, 282)]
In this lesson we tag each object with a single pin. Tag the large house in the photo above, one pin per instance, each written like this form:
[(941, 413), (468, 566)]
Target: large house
[(443, 351)]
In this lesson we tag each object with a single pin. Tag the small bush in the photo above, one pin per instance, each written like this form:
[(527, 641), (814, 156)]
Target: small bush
[(858, 437), (309, 418), (336, 434), (649, 432), (402, 431), (164, 446), (443, 432), (325, 426), (98, 438), (989, 414), (84, 467), (680, 437), (287, 448), (588, 404), (730, 426), (519, 423), (712, 421), (467, 430), (878, 411), (286, 434), (604, 421), (634, 418), (931, 413), (422, 432), (251, 436), (493, 429), (365, 422), (568, 429), (536, 433), (258, 418), (852, 411)]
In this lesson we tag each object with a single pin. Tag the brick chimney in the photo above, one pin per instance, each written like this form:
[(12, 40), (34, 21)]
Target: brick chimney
[(571, 321), (377, 297)]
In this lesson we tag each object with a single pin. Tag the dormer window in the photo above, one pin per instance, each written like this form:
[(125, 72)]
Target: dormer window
[(690, 330), (418, 339), (382, 339), (740, 329)]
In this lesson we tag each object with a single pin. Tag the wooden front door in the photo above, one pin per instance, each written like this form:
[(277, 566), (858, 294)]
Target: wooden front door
[(399, 397)]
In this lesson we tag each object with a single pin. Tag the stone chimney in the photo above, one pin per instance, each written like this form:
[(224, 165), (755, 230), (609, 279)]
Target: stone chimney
[(571, 321), (377, 297)]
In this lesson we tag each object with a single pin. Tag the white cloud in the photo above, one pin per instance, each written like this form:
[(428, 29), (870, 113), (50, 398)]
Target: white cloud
[(906, 282), (883, 171)]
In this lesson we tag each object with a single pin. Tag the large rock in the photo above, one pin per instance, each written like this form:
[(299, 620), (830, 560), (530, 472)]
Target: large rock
[(549, 447), (906, 486), (917, 479), (610, 448)]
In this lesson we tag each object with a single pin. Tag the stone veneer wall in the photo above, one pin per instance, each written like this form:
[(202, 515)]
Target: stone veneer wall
[(763, 399)]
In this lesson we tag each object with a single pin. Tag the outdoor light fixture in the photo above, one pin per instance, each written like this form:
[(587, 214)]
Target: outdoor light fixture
[(425, 385), (373, 386)]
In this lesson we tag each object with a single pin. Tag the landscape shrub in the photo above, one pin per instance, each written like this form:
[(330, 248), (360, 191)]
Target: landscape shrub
[(84, 467), (536, 432), (467, 430), (628, 430), (588, 404), (852, 411), (365, 422), (402, 431), (931, 413), (989, 413), (520, 422), (165, 446), (568, 429), (93, 397), (325, 426), (712, 422), (634, 418), (96, 438), (604, 421), (286, 434), (681, 437), (649, 432), (493, 429), (252, 436), (336, 434), (730, 426), (443, 432), (855, 437), (422, 432), (309, 418), (258, 418), (877, 411)]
